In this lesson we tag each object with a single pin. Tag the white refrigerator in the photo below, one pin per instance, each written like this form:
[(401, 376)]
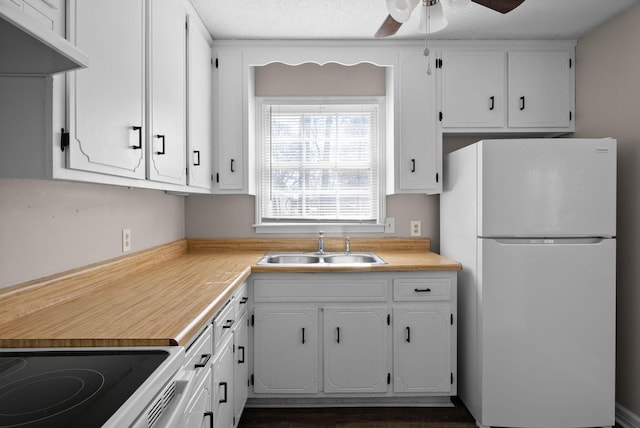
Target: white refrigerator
[(533, 222)]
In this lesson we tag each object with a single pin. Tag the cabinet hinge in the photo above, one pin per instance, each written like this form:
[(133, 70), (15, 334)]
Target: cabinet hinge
[(64, 140), (440, 116), (216, 62), (437, 178), (451, 378), (388, 378), (388, 319), (570, 62), (570, 115), (451, 319)]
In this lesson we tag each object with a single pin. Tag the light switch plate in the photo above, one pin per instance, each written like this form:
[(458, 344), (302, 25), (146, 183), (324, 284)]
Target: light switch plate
[(390, 225)]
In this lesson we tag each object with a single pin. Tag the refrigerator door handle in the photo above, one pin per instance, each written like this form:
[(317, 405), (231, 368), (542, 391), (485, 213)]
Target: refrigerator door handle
[(549, 241)]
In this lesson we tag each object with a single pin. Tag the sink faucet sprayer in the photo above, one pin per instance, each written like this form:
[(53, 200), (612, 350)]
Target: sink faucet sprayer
[(321, 242), (347, 245)]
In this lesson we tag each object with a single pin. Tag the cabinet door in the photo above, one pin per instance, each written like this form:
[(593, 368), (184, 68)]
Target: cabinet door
[(419, 160), (230, 141), (240, 367), (540, 89), (473, 89), (200, 106), (286, 350), (106, 100), (422, 349), (355, 349), (167, 73), (198, 411), (223, 386)]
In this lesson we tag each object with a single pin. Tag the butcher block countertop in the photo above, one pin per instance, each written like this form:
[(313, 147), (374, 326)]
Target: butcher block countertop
[(165, 295)]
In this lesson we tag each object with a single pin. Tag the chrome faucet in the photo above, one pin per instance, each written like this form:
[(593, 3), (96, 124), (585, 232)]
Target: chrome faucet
[(347, 245), (321, 243)]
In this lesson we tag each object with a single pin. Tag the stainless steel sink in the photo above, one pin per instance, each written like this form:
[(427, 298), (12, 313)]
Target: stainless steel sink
[(321, 259), (289, 259), (351, 258)]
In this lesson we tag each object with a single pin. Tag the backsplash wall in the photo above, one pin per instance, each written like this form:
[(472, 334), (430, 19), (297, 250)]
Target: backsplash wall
[(48, 227)]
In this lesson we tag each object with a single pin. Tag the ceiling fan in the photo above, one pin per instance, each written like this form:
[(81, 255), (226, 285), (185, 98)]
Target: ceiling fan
[(400, 11)]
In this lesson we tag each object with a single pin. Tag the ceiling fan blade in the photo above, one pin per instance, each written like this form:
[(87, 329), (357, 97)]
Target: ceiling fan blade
[(502, 6), (388, 28)]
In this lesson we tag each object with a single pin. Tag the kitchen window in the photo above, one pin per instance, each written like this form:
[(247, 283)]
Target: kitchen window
[(320, 164)]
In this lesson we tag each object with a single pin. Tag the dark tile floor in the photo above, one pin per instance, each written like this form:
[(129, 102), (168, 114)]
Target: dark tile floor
[(360, 417)]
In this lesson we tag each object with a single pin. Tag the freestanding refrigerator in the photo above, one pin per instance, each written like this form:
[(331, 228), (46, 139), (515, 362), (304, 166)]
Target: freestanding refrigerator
[(533, 222)]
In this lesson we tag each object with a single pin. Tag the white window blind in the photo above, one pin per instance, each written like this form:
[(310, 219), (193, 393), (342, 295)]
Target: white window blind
[(320, 163)]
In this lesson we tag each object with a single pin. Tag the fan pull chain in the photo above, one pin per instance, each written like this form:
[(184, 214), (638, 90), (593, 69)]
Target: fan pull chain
[(426, 48)]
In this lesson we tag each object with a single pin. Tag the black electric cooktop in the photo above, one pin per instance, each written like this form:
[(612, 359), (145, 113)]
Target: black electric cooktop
[(70, 388)]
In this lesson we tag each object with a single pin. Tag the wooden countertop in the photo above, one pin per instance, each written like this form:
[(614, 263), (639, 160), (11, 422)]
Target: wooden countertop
[(164, 296)]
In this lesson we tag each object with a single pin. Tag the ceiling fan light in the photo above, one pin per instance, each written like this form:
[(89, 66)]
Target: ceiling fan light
[(437, 20), (400, 10)]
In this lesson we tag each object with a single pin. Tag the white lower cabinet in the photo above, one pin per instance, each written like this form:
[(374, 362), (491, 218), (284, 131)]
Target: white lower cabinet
[(422, 349), (198, 413), (357, 337), (223, 385), (355, 344), (240, 367), (285, 350)]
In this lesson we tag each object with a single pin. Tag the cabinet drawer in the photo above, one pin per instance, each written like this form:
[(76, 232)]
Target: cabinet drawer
[(240, 299), (198, 358), (422, 289), (222, 324), (300, 290)]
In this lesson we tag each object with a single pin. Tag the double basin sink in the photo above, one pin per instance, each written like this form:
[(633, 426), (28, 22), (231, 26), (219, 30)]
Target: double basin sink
[(321, 259)]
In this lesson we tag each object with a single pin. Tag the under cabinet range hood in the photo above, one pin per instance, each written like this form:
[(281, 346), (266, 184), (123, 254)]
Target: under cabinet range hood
[(27, 48)]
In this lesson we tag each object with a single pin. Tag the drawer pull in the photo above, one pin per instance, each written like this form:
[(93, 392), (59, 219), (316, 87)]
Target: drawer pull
[(337, 334), (408, 334), (228, 324), (210, 416), (241, 360), (204, 359), (223, 400), (303, 335), (422, 290), (244, 300)]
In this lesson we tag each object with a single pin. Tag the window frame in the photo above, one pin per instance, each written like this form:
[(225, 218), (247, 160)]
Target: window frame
[(301, 226)]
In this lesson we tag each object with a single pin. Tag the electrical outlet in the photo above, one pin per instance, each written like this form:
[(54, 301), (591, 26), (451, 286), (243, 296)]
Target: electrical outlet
[(416, 228), (126, 240), (390, 225)]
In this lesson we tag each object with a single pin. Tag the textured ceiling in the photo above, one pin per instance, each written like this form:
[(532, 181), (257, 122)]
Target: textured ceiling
[(359, 19)]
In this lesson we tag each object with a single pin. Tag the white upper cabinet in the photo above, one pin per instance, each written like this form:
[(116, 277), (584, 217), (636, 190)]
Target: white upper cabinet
[(419, 145), (127, 112), (106, 101), (541, 89), (200, 106), (230, 143), (473, 89), (167, 97), (527, 88)]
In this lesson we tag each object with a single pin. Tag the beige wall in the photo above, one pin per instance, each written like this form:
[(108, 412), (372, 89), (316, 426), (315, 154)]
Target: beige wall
[(234, 215), (608, 96), (48, 227)]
